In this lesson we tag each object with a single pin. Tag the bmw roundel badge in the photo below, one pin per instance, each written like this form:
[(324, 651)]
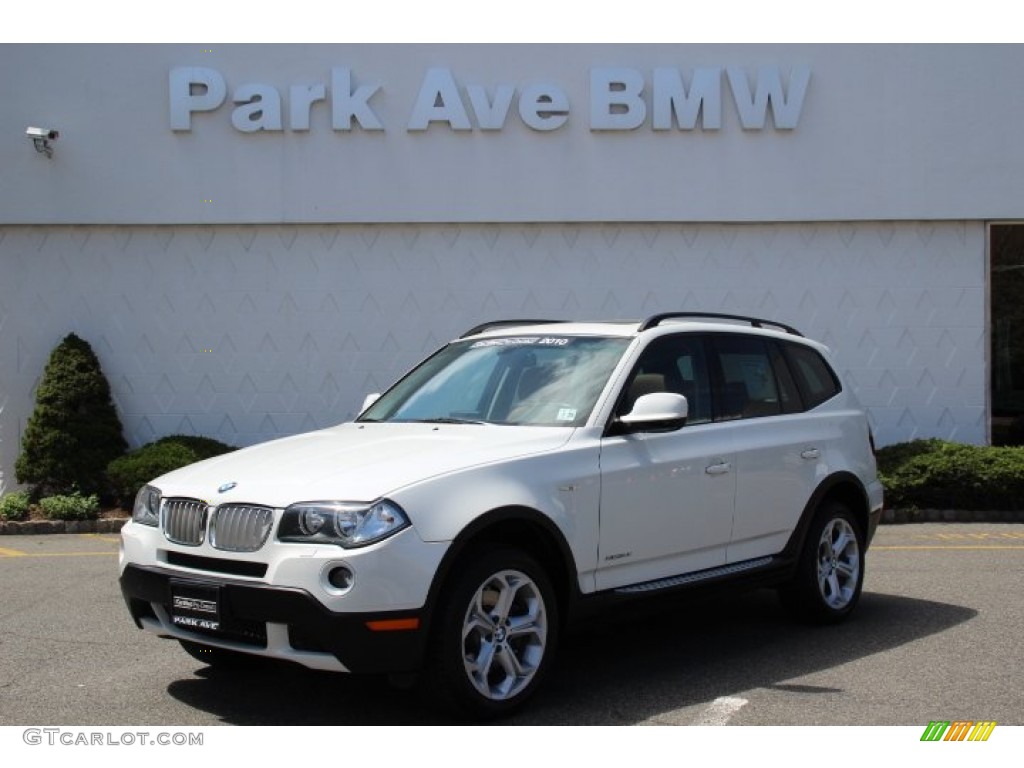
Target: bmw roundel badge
[(227, 487)]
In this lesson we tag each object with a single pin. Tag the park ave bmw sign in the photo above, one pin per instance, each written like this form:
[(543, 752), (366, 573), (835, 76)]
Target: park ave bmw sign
[(620, 99)]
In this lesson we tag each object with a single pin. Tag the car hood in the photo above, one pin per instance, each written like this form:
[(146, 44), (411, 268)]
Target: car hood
[(353, 461)]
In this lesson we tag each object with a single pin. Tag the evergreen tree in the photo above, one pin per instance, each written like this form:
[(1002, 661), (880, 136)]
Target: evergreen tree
[(74, 431)]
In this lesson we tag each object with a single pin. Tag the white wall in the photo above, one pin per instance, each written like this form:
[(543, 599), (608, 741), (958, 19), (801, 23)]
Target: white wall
[(248, 285), (883, 133), (245, 333)]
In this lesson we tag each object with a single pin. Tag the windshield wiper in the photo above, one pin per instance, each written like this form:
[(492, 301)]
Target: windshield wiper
[(446, 420)]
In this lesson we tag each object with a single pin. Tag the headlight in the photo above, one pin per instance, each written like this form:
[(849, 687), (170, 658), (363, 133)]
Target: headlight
[(147, 506), (349, 524)]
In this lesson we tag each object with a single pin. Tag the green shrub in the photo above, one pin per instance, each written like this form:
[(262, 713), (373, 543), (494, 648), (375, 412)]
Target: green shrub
[(128, 473), (202, 447), (74, 431), (936, 474), (73, 506), (893, 456), (14, 506)]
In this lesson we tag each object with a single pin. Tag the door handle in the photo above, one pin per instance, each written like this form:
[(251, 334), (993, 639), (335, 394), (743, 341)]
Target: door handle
[(718, 469), (811, 453)]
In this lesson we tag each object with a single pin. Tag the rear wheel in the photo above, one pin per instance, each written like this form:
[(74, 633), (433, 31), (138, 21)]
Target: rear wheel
[(495, 636), (830, 574)]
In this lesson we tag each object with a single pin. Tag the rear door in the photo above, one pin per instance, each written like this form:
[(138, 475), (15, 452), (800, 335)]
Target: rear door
[(779, 444)]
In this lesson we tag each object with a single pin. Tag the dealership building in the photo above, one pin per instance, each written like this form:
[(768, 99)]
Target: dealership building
[(252, 238)]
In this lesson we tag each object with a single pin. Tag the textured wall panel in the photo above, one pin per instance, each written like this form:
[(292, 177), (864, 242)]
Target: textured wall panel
[(245, 333)]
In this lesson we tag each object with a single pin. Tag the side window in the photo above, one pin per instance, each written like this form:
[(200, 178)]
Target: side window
[(747, 387), (672, 364), (816, 380)]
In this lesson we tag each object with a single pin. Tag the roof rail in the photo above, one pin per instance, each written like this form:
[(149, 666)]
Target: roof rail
[(655, 320), (502, 323)]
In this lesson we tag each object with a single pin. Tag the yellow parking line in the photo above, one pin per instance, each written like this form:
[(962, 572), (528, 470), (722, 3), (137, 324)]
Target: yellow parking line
[(946, 546), (14, 553), (4, 552), (102, 537)]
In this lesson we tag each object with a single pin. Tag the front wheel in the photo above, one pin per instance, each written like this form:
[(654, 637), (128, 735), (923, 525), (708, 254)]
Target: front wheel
[(830, 574), (496, 634)]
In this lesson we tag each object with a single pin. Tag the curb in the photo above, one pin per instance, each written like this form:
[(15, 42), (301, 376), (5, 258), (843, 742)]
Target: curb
[(37, 527), (901, 516)]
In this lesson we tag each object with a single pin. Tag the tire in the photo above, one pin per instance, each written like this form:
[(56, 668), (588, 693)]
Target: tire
[(830, 572), (221, 658), (494, 637)]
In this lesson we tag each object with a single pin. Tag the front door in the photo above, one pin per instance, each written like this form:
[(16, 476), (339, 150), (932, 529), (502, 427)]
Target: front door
[(666, 497)]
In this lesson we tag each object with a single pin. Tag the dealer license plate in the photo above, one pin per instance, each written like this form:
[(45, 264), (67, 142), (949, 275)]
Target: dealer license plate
[(195, 606)]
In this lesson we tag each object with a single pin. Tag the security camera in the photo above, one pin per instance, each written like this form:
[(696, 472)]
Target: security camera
[(42, 133), (41, 138)]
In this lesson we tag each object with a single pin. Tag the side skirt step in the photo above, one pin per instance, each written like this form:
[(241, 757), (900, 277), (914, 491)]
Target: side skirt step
[(696, 578)]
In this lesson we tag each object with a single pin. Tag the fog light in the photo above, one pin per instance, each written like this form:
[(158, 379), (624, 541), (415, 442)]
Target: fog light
[(340, 577)]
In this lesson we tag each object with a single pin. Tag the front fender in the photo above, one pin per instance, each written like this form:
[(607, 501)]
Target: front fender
[(564, 490)]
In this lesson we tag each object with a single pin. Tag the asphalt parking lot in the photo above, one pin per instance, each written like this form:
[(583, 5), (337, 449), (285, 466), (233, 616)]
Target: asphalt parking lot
[(937, 636)]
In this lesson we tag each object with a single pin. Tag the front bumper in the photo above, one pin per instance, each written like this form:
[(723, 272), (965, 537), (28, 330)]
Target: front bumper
[(281, 622)]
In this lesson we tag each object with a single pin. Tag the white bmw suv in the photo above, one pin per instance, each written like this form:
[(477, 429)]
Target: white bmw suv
[(521, 474)]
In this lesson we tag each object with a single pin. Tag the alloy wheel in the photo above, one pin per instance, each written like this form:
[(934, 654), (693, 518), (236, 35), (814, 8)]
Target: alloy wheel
[(838, 563), (504, 635)]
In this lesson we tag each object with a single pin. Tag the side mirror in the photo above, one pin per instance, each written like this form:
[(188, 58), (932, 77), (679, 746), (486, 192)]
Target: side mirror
[(656, 411), (369, 400)]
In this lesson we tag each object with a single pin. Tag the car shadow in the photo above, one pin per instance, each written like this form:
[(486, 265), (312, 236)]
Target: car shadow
[(610, 672), (690, 657)]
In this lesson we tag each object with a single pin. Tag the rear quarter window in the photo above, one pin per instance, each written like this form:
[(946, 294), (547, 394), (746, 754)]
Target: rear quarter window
[(815, 378)]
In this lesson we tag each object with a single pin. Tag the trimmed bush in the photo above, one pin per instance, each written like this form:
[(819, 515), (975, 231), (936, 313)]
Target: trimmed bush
[(74, 431), (14, 506), (73, 506), (936, 474), (128, 473), (202, 447)]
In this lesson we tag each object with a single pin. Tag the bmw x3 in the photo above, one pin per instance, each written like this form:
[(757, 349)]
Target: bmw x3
[(523, 475)]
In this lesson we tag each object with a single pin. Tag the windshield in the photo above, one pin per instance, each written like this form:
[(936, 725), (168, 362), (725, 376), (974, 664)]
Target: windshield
[(523, 380)]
